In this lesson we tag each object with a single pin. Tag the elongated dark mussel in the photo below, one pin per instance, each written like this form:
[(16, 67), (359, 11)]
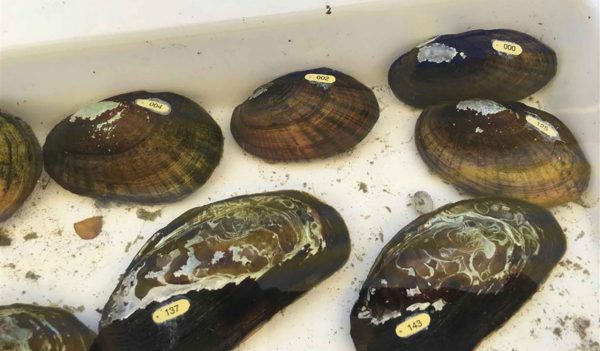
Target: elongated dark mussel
[(214, 274), (37, 328), (503, 149), (498, 64), (305, 115), (453, 276), (20, 163), (142, 147)]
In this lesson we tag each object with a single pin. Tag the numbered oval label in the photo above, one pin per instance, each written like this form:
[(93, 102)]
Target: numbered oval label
[(320, 78), (155, 105), (542, 126), (507, 47), (171, 311), (413, 325)]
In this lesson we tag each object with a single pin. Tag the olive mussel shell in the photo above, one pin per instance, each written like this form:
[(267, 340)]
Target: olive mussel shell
[(305, 115), (20, 163), (141, 147), (453, 276), (503, 149), (498, 64), (230, 266), (37, 328)]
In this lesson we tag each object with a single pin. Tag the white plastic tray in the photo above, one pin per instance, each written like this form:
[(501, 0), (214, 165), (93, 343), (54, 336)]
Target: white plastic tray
[(219, 65)]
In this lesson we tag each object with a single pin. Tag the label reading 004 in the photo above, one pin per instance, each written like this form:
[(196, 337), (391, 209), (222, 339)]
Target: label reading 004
[(320, 78), (170, 311), (155, 105), (507, 47), (413, 325)]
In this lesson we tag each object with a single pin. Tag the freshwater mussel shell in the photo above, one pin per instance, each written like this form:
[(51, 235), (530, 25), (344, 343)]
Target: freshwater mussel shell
[(142, 147), (20, 163), (462, 270), (455, 67), (237, 262), (38, 328), (503, 149), (293, 118)]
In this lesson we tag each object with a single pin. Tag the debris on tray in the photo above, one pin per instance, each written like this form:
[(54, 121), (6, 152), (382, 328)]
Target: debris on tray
[(89, 228)]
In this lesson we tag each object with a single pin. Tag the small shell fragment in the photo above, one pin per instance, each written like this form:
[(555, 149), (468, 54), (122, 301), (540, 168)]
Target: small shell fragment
[(89, 228)]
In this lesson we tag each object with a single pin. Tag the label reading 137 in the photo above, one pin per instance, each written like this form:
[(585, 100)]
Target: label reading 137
[(170, 311)]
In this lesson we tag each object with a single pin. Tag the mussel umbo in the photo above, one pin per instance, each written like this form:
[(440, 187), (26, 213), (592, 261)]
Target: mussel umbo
[(211, 276), (453, 276), (503, 149), (498, 64), (305, 115), (140, 146), (37, 328), (20, 163)]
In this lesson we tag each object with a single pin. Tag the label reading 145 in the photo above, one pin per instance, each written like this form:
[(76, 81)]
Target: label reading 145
[(170, 311), (413, 325)]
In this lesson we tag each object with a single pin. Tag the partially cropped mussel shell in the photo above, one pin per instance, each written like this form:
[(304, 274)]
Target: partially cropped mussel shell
[(305, 115), (142, 147), (20, 163), (503, 149), (498, 64), (453, 276), (37, 328), (228, 267)]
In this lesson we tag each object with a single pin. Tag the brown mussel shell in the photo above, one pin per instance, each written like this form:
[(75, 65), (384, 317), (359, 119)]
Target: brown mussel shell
[(141, 147), (219, 271), (498, 64), (503, 149), (20, 163), (305, 115), (453, 276), (36, 328)]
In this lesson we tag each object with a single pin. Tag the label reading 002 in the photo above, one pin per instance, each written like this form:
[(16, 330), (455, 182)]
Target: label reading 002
[(155, 105), (170, 311), (320, 78), (507, 47), (413, 325)]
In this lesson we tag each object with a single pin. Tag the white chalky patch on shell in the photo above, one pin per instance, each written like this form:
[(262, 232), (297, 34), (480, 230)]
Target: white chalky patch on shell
[(430, 40), (463, 55), (107, 127), (413, 292), (124, 302), (436, 53), (260, 90), (421, 306), (438, 305), (217, 257), (12, 334), (478, 130), (93, 111), (481, 107), (386, 316)]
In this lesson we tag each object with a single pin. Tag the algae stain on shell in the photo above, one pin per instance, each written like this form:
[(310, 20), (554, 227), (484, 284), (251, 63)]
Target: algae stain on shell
[(237, 262), (469, 266)]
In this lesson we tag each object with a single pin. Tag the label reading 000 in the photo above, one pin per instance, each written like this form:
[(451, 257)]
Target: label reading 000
[(507, 47), (170, 311), (155, 105), (413, 325), (320, 78)]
